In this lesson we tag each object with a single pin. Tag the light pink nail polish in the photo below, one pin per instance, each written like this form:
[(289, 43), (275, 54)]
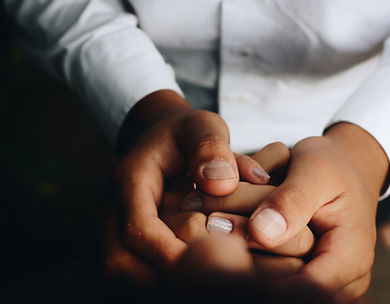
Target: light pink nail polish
[(260, 173), (219, 224)]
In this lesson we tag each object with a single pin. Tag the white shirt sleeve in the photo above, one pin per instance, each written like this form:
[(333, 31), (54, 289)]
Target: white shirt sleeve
[(97, 49), (369, 106)]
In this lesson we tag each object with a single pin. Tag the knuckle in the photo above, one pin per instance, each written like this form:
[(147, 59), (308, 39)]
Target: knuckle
[(205, 116), (288, 199), (134, 232)]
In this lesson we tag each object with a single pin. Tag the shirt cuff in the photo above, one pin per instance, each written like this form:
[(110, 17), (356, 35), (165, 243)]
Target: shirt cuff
[(115, 69), (369, 108)]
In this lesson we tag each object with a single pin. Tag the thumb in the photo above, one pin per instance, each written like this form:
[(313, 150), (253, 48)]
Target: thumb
[(205, 139), (312, 181)]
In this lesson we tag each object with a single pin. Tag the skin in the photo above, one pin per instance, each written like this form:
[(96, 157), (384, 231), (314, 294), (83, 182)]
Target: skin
[(191, 226), (332, 184), (162, 138), (171, 139), (220, 270)]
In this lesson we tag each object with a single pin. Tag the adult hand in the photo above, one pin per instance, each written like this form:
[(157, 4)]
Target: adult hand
[(236, 207), (189, 226), (169, 138)]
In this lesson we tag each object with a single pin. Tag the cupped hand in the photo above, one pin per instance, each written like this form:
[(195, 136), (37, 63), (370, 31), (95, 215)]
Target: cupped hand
[(166, 138)]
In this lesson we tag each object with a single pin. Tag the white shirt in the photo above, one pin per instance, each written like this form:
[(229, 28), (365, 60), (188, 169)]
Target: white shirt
[(277, 70)]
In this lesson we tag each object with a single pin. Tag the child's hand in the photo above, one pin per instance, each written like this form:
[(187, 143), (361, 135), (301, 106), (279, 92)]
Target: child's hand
[(332, 184)]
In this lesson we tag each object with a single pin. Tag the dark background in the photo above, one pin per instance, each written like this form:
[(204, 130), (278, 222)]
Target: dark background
[(54, 170)]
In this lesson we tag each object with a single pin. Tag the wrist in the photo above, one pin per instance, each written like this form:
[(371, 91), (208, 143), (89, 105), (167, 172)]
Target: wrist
[(150, 110), (362, 150)]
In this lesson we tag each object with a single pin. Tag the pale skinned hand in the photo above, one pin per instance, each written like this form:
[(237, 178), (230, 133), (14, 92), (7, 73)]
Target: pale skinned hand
[(332, 185)]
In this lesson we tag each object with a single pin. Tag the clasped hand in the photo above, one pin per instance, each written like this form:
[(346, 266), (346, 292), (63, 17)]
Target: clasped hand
[(332, 185)]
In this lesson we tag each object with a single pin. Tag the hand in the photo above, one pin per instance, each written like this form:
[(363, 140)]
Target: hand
[(169, 138), (121, 264), (332, 184), (274, 159), (220, 270)]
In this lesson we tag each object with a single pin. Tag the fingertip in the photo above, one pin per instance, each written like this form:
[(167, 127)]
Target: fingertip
[(251, 171), (262, 176), (267, 227), (217, 177)]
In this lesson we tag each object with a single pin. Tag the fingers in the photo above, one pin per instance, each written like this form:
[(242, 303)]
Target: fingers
[(272, 156), (299, 246), (250, 170), (190, 226), (119, 263), (214, 270), (144, 233), (226, 223), (335, 248), (272, 159), (217, 254), (243, 200), (204, 137), (187, 226), (312, 181), (341, 233)]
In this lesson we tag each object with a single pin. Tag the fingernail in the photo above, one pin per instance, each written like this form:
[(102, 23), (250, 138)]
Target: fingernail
[(192, 203), (219, 224), (271, 223), (260, 173), (218, 170)]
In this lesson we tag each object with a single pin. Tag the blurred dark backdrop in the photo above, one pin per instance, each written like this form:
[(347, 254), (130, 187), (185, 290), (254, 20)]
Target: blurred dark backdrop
[(54, 168)]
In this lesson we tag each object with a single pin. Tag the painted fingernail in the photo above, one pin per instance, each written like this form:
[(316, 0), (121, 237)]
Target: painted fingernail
[(219, 224), (260, 173), (218, 170), (192, 203), (271, 223)]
